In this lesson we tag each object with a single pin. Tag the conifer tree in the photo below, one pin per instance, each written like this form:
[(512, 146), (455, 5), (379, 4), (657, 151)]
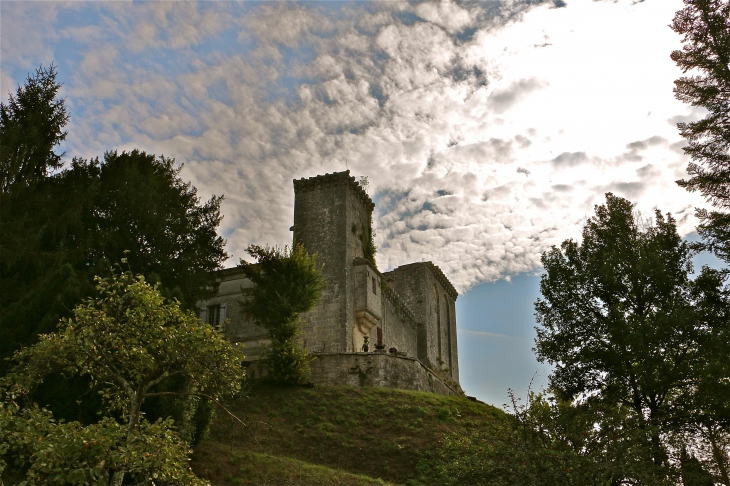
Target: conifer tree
[(31, 125), (705, 29)]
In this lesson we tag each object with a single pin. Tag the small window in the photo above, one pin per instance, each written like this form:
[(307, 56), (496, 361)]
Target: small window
[(375, 286), (215, 315)]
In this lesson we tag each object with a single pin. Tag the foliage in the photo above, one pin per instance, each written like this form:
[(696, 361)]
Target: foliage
[(128, 341), (369, 248), (143, 206), (78, 221), (53, 452), (59, 227), (705, 29), (31, 125), (551, 441), (530, 448), (630, 333), (285, 284)]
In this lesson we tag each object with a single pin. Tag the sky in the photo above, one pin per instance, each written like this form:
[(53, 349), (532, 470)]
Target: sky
[(488, 130)]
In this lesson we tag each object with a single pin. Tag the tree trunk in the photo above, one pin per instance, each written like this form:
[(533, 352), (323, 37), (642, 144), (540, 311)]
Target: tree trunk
[(134, 418), (117, 478), (719, 455)]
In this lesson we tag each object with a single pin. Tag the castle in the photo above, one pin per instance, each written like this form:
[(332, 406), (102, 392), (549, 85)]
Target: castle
[(395, 329)]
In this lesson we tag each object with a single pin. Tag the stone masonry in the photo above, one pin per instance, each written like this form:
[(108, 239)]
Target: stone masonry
[(407, 315)]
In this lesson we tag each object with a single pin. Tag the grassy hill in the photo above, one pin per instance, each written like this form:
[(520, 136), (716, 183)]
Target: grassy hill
[(336, 436)]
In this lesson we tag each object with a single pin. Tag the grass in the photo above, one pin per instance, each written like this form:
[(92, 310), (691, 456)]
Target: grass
[(352, 435), (257, 468)]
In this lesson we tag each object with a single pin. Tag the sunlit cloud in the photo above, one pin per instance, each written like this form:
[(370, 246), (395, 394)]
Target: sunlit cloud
[(488, 130)]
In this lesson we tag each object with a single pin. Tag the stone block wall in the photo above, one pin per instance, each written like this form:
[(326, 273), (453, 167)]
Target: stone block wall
[(399, 327), (431, 297), (332, 219), (378, 369)]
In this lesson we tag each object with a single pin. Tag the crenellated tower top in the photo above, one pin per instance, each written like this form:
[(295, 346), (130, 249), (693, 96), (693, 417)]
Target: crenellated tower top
[(332, 180)]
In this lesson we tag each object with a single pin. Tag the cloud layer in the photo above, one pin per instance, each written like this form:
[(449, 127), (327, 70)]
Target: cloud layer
[(488, 130)]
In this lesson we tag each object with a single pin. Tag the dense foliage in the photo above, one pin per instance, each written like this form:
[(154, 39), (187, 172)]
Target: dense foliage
[(629, 333), (59, 227), (705, 29), (69, 227), (286, 283), (129, 341)]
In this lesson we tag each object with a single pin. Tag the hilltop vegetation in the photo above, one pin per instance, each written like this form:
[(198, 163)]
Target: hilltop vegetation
[(339, 434)]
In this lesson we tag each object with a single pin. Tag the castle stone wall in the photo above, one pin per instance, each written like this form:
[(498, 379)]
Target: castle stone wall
[(319, 207), (431, 297), (332, 219), (378, 369), (400, 329)]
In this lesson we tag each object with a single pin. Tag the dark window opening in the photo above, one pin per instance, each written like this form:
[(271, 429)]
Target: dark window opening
[(213, 316), (448, 333)]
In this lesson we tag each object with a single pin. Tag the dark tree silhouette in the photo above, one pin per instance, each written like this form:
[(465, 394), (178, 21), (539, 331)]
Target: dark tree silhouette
[(705, 29)]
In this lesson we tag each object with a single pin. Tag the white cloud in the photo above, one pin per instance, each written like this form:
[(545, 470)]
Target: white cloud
[(445, 14), (488, 131)]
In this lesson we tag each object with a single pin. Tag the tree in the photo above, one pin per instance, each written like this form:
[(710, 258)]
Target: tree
[(551, 442), (705, 29), (129, 341), (286, 283), (89, 215), (626, 327), (31, 125), (143, 206), (59, 227)]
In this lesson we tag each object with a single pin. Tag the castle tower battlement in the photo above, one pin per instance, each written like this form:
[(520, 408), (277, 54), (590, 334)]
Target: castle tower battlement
[(330, 180)]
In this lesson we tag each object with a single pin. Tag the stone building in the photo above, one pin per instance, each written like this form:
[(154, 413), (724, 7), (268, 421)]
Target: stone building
[(395, 329)]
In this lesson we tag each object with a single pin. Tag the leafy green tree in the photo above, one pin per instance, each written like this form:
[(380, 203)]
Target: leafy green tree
[(143, 206), (693, 474), (552, 442), (625, 326), (705, 29), (89, 215), (31, 125), (286, 283), (129, 341)]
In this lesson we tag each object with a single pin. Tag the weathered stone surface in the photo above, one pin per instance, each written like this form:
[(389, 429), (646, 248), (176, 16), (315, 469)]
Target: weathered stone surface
[(378, 369), (411, 309)]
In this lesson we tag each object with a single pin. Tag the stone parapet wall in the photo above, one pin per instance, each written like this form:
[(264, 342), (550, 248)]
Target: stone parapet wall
[(378, 370), (326, 181)]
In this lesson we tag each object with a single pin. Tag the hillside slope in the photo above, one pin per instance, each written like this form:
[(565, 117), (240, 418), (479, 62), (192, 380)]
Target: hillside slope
[(336, 435)]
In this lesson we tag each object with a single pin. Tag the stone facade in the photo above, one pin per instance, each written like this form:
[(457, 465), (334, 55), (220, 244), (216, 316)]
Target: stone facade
[(407, 316)]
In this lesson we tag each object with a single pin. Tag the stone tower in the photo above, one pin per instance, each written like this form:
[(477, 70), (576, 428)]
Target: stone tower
[(332, 218)]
